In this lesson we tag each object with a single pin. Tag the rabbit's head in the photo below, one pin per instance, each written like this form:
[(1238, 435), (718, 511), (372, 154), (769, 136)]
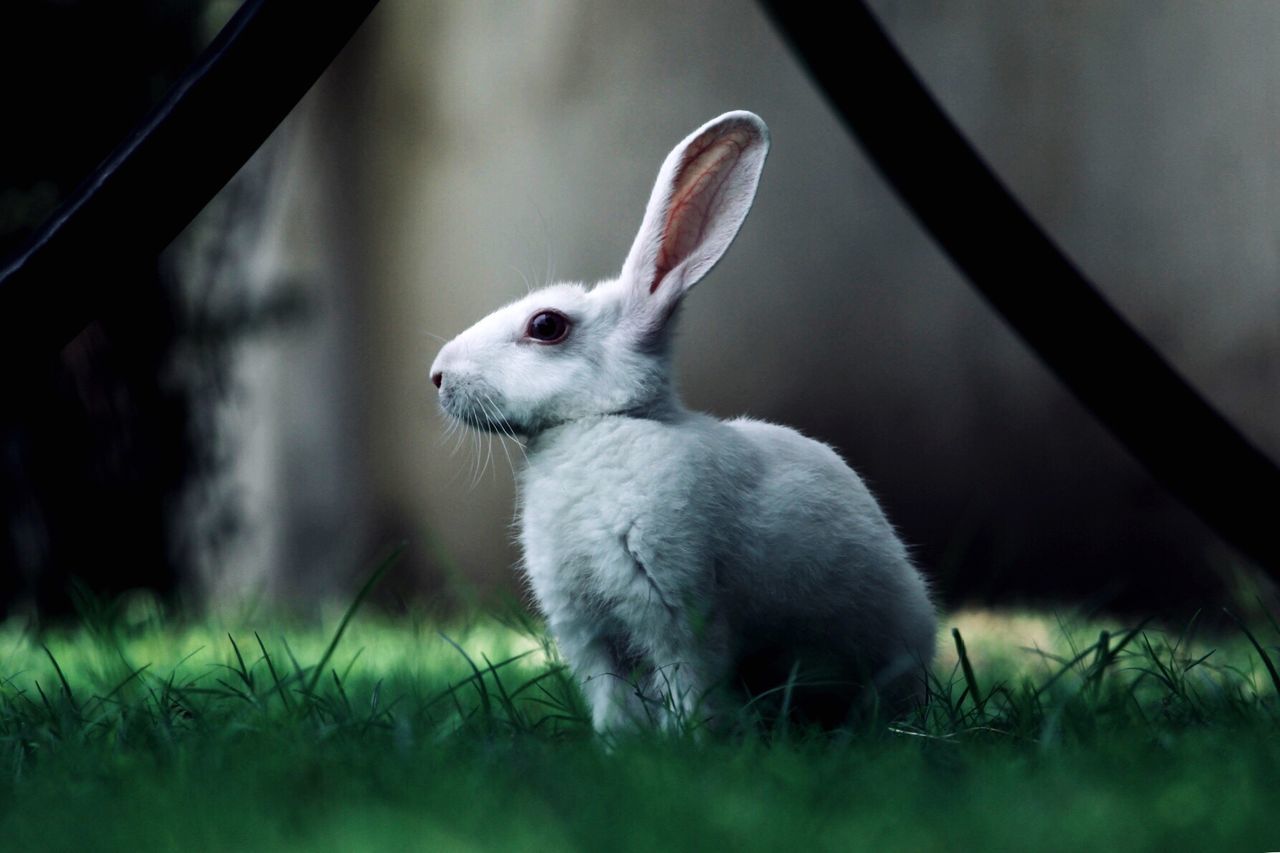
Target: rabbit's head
[(567, 352)]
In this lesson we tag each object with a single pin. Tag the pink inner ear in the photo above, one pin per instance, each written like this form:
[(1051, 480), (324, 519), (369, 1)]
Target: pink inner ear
[(703, 174)]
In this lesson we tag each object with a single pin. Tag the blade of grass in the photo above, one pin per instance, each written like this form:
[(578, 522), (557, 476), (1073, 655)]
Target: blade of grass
[(342, 693), (1069, 665), (275, 677), (784, 717), (347, 671), (102, 700), (967, 668), (1262, 605), (509, 706), (245, 675), (478, 678), (66, 688), (383, 567), (444, 694), (1262, 653)]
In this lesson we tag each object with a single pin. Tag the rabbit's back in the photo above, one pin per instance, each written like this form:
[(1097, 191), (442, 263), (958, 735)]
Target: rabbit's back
[(825, 569)]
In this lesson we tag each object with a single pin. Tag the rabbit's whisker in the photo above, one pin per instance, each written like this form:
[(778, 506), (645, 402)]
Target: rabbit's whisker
[(488, 456), (473, 449), (491, 407), (528, 285), (505, 427)]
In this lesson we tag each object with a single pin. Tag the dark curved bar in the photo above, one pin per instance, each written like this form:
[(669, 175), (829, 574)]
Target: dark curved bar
[(134, 204), (1181, 439)]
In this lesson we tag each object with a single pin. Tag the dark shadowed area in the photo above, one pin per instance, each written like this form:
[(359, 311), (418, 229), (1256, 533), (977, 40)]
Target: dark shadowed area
[(99, 453)]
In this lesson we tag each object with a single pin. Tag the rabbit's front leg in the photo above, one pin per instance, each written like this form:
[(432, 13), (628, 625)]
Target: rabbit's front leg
[(670, 614), (608, 674)]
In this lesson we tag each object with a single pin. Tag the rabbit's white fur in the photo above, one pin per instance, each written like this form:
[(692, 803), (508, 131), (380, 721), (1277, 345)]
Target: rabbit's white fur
[(675, 556)]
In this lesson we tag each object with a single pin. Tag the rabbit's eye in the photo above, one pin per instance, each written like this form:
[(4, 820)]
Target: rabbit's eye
[(548, 327)]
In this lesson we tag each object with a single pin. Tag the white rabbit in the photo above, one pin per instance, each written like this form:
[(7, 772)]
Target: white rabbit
[(683, 562)]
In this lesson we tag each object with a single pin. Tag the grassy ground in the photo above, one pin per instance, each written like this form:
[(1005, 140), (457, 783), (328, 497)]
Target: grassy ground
[(134, 732)]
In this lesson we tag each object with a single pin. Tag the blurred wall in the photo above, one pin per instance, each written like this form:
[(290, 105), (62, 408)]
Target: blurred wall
[(457, 151)]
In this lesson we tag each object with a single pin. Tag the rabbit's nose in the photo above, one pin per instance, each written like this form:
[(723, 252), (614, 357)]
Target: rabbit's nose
[(437, 378)]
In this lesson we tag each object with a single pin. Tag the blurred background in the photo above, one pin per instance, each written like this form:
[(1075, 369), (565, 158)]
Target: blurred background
[(255, 421)]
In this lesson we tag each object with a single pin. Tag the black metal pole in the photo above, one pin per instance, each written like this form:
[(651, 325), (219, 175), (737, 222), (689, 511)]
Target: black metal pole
[(1182, 440), (170, 166)]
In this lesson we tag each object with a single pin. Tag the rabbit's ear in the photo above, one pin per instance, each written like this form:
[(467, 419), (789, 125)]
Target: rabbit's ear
[(702, 195)]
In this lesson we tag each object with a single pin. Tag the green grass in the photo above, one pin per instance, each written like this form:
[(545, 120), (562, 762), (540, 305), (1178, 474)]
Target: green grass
[(133, 731)]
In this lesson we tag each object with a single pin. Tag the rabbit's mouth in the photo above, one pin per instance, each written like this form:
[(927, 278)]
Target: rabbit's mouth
[(480, 412)]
